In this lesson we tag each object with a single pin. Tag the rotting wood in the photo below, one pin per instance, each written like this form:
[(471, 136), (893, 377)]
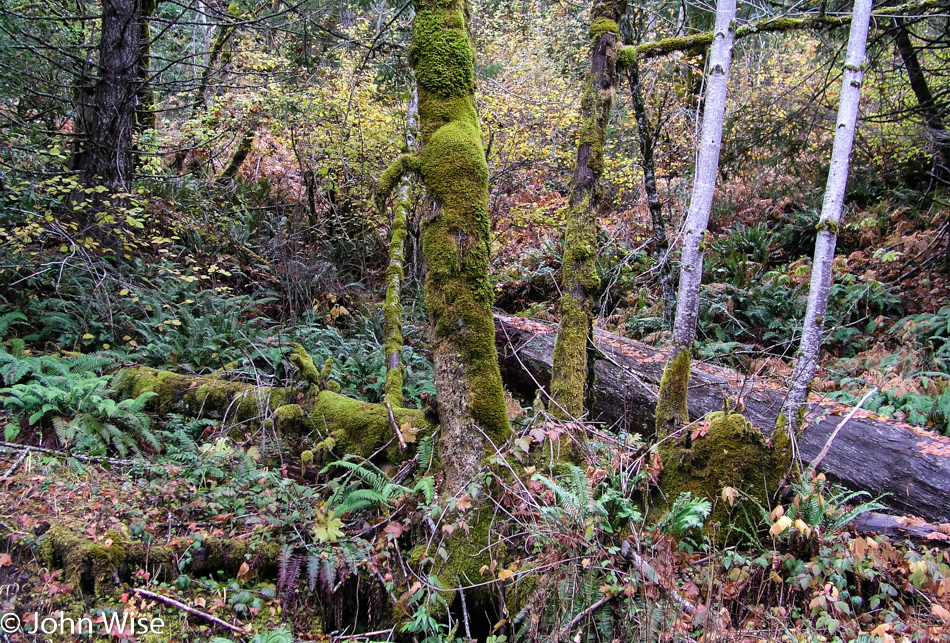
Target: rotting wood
[(870, 454)]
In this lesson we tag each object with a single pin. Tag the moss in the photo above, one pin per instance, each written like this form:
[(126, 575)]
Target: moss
[(441, 53), (733, 453), (392, 307), (92, 567), (671, 407), (600, 26), (304, 363), (626, 56), (361, 427), (827, 225), (291, 419)]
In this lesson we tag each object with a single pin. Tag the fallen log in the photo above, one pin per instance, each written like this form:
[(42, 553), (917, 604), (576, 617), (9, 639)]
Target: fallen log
[(908, 465)]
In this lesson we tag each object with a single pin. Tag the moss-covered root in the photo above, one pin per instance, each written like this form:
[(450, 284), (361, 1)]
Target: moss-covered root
[(98, 567), (733, 453), (671, 407), (455, 241), (300, 358), (580, 282)]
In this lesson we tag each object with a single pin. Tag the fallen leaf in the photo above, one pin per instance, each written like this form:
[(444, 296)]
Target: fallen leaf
[(730, 494), (5, 560), (464, 503), (244, 573), (940, 612)]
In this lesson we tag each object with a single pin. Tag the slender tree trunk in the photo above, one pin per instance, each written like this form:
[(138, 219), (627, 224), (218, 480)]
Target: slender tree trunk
[(395, 273), (793, 410), (455, 241), (929, 109), (661, 245), (105, 157), (671, 407), (240, 155), (579, 282), (145, 110)]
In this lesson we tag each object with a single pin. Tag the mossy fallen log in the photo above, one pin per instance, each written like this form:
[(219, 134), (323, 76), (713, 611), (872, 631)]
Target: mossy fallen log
[(908, 464), (100, 567), (342, 424)]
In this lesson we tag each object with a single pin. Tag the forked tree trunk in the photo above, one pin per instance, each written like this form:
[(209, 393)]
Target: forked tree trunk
[(820, 288), (105, 157), (455, 241), (579, 282), (671, 408)]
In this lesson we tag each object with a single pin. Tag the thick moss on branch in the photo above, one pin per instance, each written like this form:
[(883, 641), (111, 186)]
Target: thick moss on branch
[(392, 308), (699, 42)]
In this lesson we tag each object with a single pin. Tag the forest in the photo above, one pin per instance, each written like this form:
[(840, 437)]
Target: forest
[(467, 320)]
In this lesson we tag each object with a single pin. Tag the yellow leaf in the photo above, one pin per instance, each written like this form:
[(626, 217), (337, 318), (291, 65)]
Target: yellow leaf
[(124, 292), (505, 574), (778, 512), (783, 523), (803, 527), (88, 336), (175, 322)]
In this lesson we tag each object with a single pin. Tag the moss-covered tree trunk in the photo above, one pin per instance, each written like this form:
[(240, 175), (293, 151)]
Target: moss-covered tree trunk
[(395, 272), (579, 281), (671, 408), (820, 288), (455, 241)]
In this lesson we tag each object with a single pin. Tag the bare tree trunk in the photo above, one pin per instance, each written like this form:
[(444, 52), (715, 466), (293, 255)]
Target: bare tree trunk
[(579, 282), (661, 245), (105, 157), (145, 110), (395, 273), (794, 409), (671, 408)]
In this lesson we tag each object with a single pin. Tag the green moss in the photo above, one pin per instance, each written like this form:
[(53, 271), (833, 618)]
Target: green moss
[(304, 363), (392, 307), (600, 26), (733, 453), (361, 427), (90, 566), (827, 225), (441, 52), (291, 419), (671, 407), (626, 56)]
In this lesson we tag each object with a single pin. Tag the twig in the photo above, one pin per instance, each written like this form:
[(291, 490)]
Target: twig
[(63, 454), (188, 608), (580, 617), (647, 572), (824, 451), (13, 466), (364, 635), (395, 425)]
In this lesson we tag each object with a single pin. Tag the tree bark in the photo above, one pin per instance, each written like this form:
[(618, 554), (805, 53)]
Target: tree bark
[(579, 281), (105, 157), (830, 219), (145, 110), (672, 403), (869, 454)]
